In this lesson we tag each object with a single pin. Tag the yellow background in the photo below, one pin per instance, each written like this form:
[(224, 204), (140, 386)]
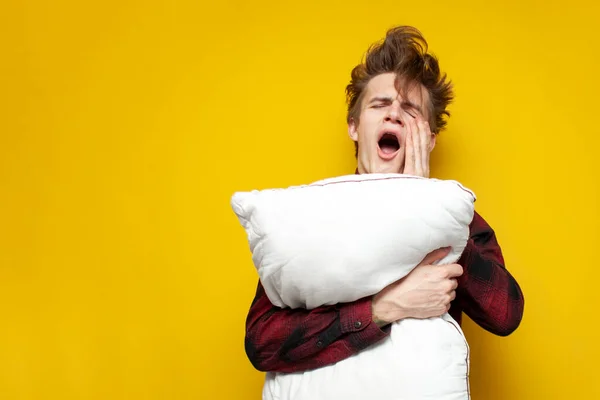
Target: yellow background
[(127, 125)]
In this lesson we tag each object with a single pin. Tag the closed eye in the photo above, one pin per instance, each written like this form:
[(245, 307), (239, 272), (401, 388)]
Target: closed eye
[(380, 102), (411, 109)]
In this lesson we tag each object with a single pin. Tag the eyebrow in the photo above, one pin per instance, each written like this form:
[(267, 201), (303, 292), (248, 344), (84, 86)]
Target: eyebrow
[(404, 104)]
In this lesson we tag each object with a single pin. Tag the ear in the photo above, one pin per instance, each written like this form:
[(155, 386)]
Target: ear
[(432, 142), (353, 130)]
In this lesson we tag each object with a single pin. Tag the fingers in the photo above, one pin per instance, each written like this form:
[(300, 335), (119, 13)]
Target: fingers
[(453, 270), (447, 301), (454, 284), (452, 295), (450, 285), (424, 134), (425, 137), (425, 144), (435, 256), (418, 146), (418, 151), (409, 157)]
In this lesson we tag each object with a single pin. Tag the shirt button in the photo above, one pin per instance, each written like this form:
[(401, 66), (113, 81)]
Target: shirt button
[(319, 344), (357, 324)]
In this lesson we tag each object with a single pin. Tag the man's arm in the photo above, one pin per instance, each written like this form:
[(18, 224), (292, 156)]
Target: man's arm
[(487, 292), (286, 340)]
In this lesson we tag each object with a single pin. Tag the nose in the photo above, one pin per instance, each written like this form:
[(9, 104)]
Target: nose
[(394, 114)]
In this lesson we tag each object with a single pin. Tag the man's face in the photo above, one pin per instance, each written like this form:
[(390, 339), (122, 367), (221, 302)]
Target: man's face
[(381, 130)]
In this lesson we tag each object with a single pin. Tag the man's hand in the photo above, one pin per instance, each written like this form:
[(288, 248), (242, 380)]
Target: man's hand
[(419, 143), (424, 293)]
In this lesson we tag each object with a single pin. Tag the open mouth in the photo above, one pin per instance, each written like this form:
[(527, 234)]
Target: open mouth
[(388, 145)]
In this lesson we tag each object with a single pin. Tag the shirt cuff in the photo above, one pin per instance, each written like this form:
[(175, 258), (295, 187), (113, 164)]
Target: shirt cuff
[(357, 318)]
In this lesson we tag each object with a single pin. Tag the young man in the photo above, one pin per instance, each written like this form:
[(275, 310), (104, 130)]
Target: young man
[(397, 101)]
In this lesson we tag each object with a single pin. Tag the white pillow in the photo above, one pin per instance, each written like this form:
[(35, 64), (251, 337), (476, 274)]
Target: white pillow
[(344, 238)]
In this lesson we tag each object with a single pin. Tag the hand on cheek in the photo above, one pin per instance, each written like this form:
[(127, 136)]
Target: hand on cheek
[(418, 147)]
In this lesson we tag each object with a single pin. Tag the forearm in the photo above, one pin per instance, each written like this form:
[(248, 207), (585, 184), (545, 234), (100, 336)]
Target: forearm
[(286, 340), (488, 293)]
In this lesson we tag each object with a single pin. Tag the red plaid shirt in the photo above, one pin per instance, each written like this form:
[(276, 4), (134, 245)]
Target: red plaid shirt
[(286, 340)]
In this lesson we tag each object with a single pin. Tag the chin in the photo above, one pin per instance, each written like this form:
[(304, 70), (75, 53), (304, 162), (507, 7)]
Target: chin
[(385, 169)]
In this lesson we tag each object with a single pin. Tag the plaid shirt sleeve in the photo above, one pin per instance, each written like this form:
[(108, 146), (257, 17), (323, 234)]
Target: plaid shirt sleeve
[(487, 292), (291, 340), (286, 340)]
